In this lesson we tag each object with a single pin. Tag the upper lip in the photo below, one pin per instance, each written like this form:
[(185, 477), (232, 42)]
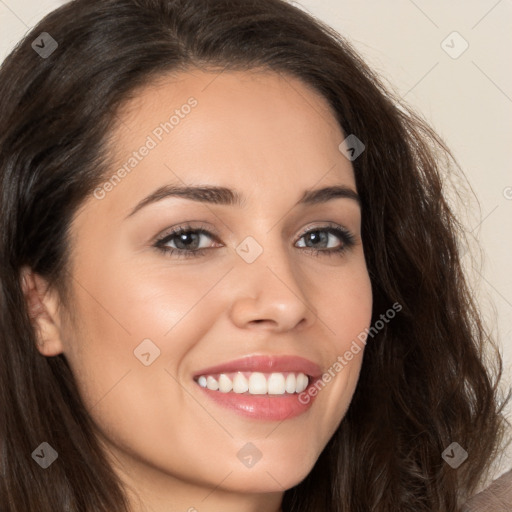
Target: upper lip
[(266, 364)]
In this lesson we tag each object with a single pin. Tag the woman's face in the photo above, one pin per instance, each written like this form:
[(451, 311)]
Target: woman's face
[(153, 326)]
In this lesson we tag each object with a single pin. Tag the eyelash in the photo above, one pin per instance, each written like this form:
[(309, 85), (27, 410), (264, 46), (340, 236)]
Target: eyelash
[(348, 241)]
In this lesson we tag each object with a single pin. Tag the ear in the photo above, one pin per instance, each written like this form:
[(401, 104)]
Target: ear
[(43, 309)]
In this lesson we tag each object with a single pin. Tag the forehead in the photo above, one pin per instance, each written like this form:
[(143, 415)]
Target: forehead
[(242, 108), (226, 92), (256, 131)]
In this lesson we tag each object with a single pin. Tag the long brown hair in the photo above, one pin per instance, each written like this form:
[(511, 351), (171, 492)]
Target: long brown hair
[(425, 381)]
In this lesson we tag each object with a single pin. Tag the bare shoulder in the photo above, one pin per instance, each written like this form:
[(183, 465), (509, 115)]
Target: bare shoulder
[(495, 498)]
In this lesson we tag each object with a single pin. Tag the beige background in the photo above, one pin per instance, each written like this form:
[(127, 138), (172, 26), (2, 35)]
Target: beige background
[(466, 97)]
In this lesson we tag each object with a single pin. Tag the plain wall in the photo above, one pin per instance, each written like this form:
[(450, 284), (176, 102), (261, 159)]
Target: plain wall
[(467, 98)]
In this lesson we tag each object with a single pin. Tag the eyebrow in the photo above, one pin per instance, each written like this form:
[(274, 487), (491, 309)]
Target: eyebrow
[(229, 197)]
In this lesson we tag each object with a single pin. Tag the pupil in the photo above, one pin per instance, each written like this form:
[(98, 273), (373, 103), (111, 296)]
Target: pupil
[(315, 236), (183, 237)]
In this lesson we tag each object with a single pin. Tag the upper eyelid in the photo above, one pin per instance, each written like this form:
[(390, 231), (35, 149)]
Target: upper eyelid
[(212, 234), (186, 228)]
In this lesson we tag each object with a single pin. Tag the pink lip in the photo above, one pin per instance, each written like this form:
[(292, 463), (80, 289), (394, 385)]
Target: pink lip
[(265, 407), (265, 364)]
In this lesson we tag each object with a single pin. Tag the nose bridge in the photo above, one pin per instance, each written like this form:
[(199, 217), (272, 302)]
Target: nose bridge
[(269, 286)]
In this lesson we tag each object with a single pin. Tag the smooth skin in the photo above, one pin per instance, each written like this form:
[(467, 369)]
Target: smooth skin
[(269, 137)]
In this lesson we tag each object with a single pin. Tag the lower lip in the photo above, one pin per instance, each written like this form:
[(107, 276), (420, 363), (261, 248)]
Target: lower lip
[(264, 407)]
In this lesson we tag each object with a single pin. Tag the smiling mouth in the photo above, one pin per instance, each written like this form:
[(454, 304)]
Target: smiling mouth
[(255, 383), (261, 387)]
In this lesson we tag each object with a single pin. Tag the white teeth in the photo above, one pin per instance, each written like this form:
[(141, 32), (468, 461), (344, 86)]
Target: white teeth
[(257, 384), (291, 383), (225, 384), (240, 384), (276, 385), (211, 383), (302, 383)]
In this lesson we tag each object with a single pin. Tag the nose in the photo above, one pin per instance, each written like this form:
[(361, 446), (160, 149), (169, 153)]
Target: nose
[(271, 293)]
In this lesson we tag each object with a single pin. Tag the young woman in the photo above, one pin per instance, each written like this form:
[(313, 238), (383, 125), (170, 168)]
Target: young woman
[(229, 277)]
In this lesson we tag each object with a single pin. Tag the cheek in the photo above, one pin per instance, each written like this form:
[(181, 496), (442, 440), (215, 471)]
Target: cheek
[(133, 325), (344, 304), (345, 310), (133, 334)]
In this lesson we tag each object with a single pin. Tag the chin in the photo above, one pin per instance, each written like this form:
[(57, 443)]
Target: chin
[(270, 477)]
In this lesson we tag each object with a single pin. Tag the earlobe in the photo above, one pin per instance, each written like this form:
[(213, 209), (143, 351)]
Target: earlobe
[(43, 309)]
